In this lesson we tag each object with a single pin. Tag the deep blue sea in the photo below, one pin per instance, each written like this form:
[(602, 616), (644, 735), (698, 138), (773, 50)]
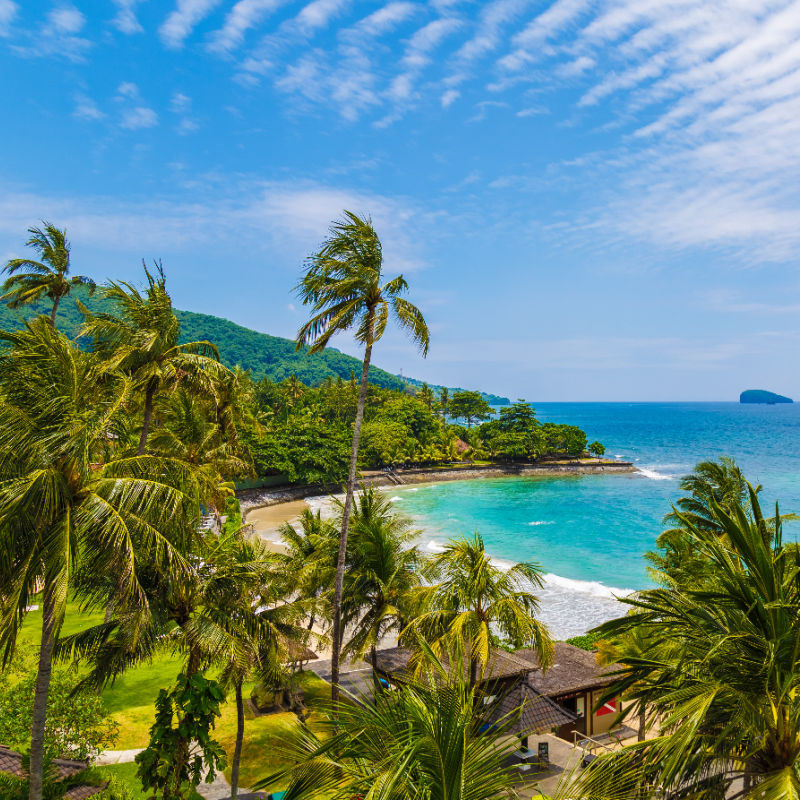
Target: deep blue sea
[(589, 532)]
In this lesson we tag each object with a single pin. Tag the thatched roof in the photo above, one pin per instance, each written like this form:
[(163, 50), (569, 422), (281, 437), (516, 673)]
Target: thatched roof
[(393, 661), (573, 670), (530, 710)]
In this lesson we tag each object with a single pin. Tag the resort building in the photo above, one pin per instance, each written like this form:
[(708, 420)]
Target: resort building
[(560, 700)]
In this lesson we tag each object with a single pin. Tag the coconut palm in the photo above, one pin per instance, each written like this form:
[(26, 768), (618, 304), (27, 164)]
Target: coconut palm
[(470, 598), (383, 568), (711, 482), (310, 558), (189, 433), (30, 280), (245, 627), (723, 680), (58, 506), (424, 740), (345, 288), (142, 340)]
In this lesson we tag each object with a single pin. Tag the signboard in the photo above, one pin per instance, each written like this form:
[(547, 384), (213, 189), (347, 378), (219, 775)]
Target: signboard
[(608, 708)]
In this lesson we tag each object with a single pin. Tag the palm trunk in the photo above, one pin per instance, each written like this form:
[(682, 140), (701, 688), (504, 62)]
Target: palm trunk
[(41, 692), (642, 723), (53, 312), (348, 504), (473, 671), (148, 416), (237, 750)]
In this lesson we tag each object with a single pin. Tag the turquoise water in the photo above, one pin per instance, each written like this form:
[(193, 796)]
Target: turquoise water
[(589, 532)]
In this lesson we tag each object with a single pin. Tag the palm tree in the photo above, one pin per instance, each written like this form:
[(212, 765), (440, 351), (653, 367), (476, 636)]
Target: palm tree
[(251, 628), (141, 339), (383, 568), (58, 506), (310, 558), (469, 598), (723, 680), (189, 433), (345, 289), (711, 482), (424, 740), (29, 280)]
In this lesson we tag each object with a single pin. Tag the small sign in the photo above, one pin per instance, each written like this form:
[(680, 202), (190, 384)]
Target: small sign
[(544, 751), (608, 708)]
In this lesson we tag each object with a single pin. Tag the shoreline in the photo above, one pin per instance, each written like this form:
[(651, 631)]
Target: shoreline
[(252, 499)]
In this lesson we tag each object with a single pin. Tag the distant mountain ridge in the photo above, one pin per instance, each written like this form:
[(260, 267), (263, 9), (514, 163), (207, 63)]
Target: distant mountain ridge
[(266, 356)]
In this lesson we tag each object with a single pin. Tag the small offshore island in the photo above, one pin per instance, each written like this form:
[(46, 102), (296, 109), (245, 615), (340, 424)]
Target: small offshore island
[(763, 397)]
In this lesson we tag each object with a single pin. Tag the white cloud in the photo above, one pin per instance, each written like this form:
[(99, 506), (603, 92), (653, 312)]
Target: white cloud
[(125, 21), (8, 10), (449, 97), (288, 217), (383, 20), (128, 89), (180, 103), (139, 117), (244, 15), (178, 26), (57, 37), (86, 108)]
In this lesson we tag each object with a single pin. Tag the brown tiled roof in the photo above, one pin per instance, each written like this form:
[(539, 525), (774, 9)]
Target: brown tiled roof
[(11, 763), (394, 661), (573, 670), (531, 711)]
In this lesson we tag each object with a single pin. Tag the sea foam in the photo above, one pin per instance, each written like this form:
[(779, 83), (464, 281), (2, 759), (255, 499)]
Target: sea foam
[(653, 475)]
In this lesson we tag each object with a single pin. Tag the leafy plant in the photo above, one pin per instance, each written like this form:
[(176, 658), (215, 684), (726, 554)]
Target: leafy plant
[(185, 713)]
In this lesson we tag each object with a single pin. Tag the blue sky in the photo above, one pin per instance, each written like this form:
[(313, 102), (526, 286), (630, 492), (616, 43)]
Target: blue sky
[(591, 199)]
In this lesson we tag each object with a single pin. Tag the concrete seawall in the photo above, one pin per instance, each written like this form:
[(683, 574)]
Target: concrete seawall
[(260, 498)]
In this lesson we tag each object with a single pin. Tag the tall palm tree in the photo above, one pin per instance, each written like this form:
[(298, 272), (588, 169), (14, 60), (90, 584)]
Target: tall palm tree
[(723, 681), (58, 506), (383, 568), (142, 340), (345, 288), (424, 740), (469, 598), (30, 280)]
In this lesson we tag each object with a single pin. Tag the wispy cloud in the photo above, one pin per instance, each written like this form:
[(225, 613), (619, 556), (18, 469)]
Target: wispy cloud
[(86, 108), (125, 20), (178, 26), (244, 15), (57, 37), (8, 10), (134, 119)]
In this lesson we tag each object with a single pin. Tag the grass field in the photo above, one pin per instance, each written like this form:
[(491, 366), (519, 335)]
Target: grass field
[(130, 701)]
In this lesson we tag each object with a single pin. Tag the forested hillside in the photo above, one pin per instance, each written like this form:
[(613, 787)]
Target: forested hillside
[(266, 356)]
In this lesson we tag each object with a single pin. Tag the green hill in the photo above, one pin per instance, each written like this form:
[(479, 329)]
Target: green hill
[(267, 356)]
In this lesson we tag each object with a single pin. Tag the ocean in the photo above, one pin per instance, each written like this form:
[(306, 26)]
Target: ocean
[(589, 532)]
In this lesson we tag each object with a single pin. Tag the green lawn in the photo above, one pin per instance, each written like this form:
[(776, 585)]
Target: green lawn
[(130, 701)]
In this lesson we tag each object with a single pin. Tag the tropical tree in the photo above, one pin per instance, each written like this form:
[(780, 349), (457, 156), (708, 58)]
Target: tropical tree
[(345, 288), (424, 740), (253, 625), (469, 406), (30, 280), (309, 559), (383, 568), (723, 682), (469, 599), (58, 506), (425, 394), (142, 340), (711, 483)]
